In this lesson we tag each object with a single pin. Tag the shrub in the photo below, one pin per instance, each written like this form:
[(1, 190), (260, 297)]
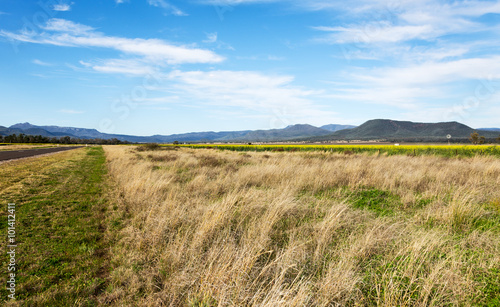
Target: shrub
[(149, 147)]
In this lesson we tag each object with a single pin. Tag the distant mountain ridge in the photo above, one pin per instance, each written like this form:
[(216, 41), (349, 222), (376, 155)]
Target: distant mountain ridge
[(56, 130), (489, 129), (377, 129), (335, 128), (289, 133), (387, 129)]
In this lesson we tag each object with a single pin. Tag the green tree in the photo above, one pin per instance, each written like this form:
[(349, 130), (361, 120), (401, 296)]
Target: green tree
[(474, 138)]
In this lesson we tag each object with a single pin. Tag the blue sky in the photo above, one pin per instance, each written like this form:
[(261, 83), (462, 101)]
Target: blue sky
[(148, 67)]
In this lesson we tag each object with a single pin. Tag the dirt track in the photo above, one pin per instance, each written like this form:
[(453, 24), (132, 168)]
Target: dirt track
[(18, 154)]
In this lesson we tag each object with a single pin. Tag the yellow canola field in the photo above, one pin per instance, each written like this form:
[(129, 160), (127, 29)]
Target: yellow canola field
[(441, 150)]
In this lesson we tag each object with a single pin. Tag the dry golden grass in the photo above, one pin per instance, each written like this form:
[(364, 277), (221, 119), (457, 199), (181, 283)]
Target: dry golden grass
[(26, 146), (211, 228)]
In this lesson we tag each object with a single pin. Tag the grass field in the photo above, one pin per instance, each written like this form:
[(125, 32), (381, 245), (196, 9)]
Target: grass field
[(60, 214), (415, 150), (222, 228), (205, 227)]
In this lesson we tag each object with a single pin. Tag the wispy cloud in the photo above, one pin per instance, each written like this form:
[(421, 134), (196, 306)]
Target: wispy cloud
[(261, 58), (120, 66), (238, 2), (408, 87), (62, 7), (384, 33), (63, 25), (439, 72), (60, 32), (171, 9), (426, 51), (380, 21), (272, 96), (211, 38), (41, 63)]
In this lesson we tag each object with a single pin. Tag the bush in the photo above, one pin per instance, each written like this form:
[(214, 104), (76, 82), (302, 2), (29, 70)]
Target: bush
[(149, 147)]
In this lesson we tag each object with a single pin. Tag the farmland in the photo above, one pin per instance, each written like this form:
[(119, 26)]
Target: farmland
[(260, 226), (439, 150)]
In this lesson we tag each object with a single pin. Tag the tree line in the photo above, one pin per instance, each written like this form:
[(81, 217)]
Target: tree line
[(477, 139), (23, 138)]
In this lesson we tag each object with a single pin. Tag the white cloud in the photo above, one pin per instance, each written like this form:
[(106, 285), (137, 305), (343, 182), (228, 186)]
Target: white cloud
[(127, 67), (378, 33), (167, 6), (432, 73), (237, 2), (274, 97), (63, 25), (41, 63), (427, 51), (62, 7), (386, 22), (68, 111), (409, 87), (67, 33), (261, 58), (211, 38)]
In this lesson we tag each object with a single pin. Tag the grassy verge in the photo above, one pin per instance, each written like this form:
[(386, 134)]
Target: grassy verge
[(60, 210)]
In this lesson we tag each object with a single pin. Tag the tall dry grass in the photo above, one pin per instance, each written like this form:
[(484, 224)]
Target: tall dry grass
[(209, 228)]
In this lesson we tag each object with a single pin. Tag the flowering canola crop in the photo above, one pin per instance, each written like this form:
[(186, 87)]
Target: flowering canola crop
[(441, 150)]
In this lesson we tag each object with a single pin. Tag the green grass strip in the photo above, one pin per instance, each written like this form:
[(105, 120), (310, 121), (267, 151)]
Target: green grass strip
[(60, 206)]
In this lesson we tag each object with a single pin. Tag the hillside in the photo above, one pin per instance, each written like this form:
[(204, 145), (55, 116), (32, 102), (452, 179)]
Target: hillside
[(288, 133), (490, 129), (378, 129), (335, 128), (56, 130), (209, 136)]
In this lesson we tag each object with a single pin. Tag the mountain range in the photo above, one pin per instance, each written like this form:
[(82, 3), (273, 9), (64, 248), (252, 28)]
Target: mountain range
[(378, 129), (393, 130), (289, 133)]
